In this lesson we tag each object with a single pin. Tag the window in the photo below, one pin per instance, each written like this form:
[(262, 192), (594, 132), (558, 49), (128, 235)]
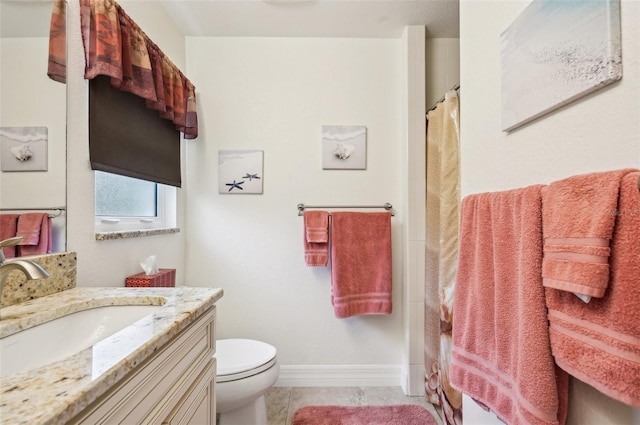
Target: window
[(124, 203)]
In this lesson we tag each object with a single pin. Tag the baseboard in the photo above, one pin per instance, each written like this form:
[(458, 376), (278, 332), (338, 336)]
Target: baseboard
[(412, 380), (339, 376)]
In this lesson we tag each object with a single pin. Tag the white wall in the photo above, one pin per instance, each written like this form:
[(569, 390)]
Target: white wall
[(442, 67), (274, 94), (413, 374), (596, 133), (29, 98), (107, 263)]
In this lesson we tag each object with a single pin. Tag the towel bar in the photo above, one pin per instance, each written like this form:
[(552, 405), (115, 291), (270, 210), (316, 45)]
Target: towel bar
[(53, 215), (387, 206)]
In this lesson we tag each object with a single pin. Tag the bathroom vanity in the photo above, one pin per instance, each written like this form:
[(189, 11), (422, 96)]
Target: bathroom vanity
[(158, 369)]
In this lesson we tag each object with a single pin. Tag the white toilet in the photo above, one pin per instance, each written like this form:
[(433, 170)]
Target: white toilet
[(246, 369)]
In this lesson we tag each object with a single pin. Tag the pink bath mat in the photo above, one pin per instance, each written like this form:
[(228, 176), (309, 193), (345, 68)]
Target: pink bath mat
[(404, 414)]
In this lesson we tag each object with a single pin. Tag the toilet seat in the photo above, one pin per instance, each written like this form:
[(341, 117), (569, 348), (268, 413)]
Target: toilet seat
[(242, 358)]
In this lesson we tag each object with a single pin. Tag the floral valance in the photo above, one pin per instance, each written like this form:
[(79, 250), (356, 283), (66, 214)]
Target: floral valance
[(57, 69), (115, 46)]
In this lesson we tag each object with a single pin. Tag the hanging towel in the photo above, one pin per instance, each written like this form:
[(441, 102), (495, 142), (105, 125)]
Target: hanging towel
[(578, 219), (36, 230), (360, 263), (317, 226), (316, 238), (501, 350), (8, 228), (599, 342)]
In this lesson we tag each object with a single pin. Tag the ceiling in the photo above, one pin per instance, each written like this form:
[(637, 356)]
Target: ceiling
[(314, 18), (269, 18), (20, 18)]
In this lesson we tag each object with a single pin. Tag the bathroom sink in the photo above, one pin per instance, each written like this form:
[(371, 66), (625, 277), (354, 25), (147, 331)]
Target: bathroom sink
[(66, 335)]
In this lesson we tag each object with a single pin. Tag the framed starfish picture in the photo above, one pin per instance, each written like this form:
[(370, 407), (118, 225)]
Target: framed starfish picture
[(240, 171)]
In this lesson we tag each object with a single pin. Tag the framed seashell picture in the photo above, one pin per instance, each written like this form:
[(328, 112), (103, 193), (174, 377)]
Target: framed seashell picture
[(344, 147), (23, 148)]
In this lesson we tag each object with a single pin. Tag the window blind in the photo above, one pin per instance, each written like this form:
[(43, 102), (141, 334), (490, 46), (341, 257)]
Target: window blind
[(127, 138)]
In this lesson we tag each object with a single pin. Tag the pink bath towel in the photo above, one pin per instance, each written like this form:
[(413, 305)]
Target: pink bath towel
[(501, 351), (316, 238), (360, 263), (578, 219), (599, 342), (36, 230), (8, 228)]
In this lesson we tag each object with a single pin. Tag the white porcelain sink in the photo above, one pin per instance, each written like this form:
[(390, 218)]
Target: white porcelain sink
[(65, 336)]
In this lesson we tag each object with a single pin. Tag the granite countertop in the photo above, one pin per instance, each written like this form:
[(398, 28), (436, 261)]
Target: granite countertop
[(55, 393)]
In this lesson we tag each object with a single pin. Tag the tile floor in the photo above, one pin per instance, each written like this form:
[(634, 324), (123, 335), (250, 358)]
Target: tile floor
[(282, 402)]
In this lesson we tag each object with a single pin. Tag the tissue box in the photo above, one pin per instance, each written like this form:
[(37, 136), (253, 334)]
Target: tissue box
[(165, 277)]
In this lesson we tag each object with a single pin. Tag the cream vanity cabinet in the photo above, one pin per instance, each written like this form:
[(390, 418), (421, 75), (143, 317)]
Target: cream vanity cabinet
[(175, 385)]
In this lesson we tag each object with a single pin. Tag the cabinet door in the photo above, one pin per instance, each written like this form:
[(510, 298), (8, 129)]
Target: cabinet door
[(198, 406), (150, 391)]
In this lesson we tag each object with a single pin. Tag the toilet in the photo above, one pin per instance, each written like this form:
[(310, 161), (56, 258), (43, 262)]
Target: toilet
[(246, 369)]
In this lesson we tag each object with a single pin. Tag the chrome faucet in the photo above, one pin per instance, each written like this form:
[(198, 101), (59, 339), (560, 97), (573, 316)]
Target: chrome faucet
[(29, 268)]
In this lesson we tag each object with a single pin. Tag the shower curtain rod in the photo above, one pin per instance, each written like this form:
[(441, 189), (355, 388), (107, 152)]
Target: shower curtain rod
[(387, 206), (455, 87), (58, 214)]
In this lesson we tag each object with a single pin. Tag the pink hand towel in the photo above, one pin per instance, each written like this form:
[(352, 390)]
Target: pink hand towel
[(360, 263), (599, 342), (316, 238), (8, 228), (578, 219), (36, 230), (501, 351)]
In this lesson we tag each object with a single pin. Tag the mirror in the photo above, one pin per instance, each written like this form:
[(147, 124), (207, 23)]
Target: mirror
[(32, 117)]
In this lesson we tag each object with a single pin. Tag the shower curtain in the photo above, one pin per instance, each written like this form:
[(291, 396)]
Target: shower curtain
[(443, 201)]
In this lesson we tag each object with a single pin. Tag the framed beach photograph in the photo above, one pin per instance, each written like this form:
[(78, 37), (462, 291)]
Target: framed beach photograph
[(24, 148), (344, 147), (240, 171), (556, 52)]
